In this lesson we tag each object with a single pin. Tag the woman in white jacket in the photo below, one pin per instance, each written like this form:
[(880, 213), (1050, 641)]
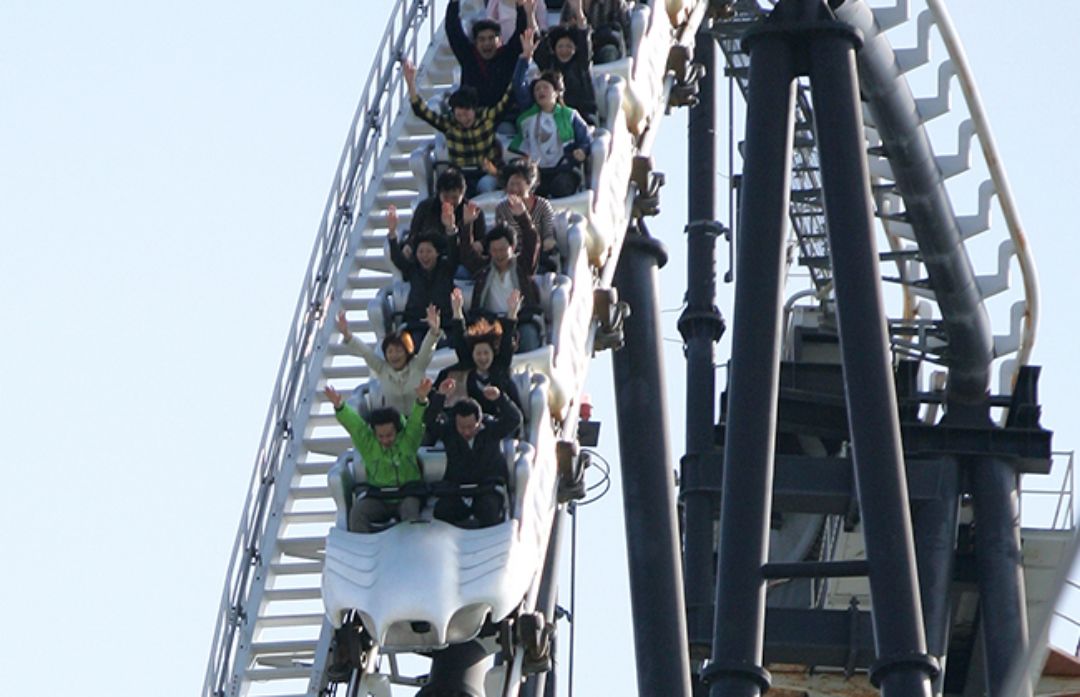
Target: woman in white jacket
[(400, 369)]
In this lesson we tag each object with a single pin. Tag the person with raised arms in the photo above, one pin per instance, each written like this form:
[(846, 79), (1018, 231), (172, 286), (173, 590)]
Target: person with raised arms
[(400, 368), (388, 447)]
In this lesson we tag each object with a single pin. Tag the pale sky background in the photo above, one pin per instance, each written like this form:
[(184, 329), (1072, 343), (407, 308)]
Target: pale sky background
[(162, 170)]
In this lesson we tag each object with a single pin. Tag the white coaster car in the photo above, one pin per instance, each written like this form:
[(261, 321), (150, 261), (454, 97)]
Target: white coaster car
[(424, 586)]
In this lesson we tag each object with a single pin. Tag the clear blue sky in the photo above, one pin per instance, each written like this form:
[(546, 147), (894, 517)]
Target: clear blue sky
[(162, 170)]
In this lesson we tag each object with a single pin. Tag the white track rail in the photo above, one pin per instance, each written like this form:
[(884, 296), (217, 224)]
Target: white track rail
[(1015, 343)]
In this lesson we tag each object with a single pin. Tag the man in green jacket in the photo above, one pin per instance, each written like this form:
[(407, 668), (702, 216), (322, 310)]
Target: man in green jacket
[(388, 450)]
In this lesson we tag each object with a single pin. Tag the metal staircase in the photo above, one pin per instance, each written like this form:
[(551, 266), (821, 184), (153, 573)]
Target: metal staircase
[(271, 636)]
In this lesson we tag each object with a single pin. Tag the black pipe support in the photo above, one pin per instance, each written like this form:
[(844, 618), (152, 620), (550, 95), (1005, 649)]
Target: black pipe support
[(935, 524), (701, 326), (1000, 568), (736, 668), (656, 588), (904, 668)]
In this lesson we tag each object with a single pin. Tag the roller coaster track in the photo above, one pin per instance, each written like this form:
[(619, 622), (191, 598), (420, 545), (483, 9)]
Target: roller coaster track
[(271, 636)]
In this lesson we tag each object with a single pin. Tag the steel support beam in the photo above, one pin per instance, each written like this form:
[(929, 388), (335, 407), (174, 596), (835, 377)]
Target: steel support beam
[(701, 326), (656, 588), (903, 669), (735, 668), (935, 523), (999, 562), (802, 37)]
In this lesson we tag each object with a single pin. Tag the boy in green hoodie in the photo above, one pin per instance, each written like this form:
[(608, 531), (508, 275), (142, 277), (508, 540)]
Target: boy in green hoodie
[(388, 449)]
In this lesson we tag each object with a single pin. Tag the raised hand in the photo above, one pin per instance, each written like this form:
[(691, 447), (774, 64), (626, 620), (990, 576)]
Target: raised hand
[(448, 220), (491, 393), (423, 389), (447, 386), (433, 318), (513, 304), (517, 204), (343, 326), (408, 71), (528, 40), (391, 222), (457, 303), (472, 212), (334, 396), (578, 13)]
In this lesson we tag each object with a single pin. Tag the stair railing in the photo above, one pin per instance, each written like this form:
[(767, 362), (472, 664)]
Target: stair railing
[(381, 98)]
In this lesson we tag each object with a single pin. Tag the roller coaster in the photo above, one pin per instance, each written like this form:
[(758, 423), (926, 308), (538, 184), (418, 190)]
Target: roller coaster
[(845, 519)]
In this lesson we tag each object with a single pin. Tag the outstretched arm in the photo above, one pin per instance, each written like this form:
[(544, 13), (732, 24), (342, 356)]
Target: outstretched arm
[(456, 330), (519, 86), (354, 345), (437, 401), (528, 246), (505, 356), (509, 416), (525, 8), (418, 106), (455, 34), (402, 262), (414, 426), (352, 422)]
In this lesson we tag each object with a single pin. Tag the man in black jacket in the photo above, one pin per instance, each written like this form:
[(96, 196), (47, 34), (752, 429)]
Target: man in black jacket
[(486, 64), (448, 216), (430, 275), (473, 452)]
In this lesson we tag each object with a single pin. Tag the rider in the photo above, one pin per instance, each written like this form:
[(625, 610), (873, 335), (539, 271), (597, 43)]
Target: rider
[(388, 448)]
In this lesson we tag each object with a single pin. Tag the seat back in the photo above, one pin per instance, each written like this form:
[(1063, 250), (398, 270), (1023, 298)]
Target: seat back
[(386, 308), (422, 165), (432, 463), (367, 397), (342, 479)]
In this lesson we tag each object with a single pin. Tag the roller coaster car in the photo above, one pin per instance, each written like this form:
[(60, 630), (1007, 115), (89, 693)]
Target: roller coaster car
[(422, 587)]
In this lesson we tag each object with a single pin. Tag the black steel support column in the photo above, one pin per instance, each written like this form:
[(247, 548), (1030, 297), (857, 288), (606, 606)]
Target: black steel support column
[(999, 563), (656, 590), (935, 524), (701, 327), (736, 669), (903, 669)]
